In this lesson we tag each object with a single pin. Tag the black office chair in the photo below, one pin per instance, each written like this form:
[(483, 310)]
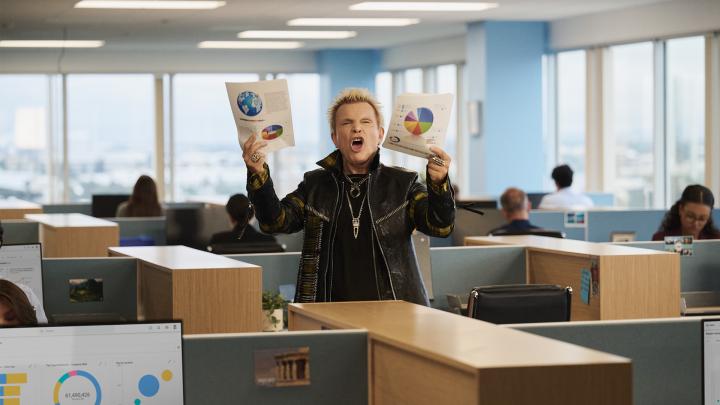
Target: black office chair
[(520, 303), (242, 248), (535, 232)]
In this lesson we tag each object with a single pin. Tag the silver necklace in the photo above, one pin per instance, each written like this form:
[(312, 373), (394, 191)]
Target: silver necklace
[(355, 187), (355, 220)]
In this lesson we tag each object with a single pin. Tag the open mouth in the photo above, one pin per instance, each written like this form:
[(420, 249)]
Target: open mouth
[(357, 144)]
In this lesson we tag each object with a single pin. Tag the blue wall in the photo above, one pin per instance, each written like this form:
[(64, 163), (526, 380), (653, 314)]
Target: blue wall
[(504, 66), (345, 68)]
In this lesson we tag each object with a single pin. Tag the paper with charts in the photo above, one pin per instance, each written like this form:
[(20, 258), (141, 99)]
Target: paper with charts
[(262, 108), (418, 121)]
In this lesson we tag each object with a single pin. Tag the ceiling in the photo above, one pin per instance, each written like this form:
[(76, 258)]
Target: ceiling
[(182, 30)]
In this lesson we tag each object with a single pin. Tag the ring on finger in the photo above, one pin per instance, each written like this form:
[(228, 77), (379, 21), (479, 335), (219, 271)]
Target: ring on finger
[(437, 161), (255, 157)]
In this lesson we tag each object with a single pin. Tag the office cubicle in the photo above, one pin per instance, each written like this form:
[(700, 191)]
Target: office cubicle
[(20, 231)]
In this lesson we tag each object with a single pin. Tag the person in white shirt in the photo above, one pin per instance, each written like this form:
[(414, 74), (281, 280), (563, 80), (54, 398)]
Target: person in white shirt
[(565, 198)]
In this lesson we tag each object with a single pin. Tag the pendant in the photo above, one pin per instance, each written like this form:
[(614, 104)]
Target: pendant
[(356, 226), (355, 191)]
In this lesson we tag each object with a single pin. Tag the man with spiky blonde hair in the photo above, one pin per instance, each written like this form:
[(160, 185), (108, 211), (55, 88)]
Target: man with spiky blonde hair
[(357, 214)]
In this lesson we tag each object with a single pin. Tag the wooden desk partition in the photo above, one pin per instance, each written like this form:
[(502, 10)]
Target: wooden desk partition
[(420, 355), (208, 292), (75, 235), (633, 283), (16, 209)]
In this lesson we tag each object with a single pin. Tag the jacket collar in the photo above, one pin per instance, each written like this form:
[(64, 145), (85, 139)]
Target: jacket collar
[(334, 163)]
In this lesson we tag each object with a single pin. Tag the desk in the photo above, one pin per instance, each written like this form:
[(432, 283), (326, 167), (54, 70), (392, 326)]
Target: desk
[(16, 209), (420, 355), (633, 283), (209, 293), (75, 235)]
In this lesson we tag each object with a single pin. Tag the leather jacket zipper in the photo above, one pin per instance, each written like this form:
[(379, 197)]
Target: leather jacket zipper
[(372, 222)]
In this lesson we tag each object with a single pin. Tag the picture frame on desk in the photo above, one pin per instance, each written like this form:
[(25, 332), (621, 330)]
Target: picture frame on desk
[(623, 236)]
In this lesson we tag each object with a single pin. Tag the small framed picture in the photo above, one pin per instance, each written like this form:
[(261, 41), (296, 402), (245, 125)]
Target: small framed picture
[(679, 244), (622, 237), (86, 290), (286, 367)]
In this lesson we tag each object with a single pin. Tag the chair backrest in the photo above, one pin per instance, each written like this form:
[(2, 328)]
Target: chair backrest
[(536, 232), (520, 303), (240, 248)]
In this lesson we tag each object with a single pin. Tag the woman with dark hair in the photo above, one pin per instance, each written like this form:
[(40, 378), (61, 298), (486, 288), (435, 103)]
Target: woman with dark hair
[(691, 215), (241, 211), (143, 202), (15, 307)]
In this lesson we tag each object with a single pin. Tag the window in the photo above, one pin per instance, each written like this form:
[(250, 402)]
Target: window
[(446, 77), (685, 113), (110, 133), (208, 159), (24, 135), (571, 84), (629, 124), (288, 165)]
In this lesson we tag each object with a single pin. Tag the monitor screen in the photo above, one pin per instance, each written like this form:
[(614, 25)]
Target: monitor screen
[(92, 364), (105, 205), (711, 361), (22, 264)]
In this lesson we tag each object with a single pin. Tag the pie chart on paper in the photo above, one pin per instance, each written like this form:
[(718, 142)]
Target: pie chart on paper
[(419, 121), (272, 132)]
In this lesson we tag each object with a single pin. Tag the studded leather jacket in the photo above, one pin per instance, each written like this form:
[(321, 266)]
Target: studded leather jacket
[(398, 204)]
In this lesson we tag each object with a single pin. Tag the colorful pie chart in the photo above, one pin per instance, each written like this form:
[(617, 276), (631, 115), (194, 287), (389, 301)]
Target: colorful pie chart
[(272, 132), (418, 122)]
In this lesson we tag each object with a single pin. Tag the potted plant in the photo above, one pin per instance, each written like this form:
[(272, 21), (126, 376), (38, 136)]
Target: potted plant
[(272, 305)]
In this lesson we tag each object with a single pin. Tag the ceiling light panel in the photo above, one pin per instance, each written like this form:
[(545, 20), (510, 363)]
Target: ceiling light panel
[(150, 5), (250, 44), (298, 34), (50, 44), (353, 22), (421, 6)]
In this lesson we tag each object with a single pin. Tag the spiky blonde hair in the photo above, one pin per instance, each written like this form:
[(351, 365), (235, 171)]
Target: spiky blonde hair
[(354, 95)]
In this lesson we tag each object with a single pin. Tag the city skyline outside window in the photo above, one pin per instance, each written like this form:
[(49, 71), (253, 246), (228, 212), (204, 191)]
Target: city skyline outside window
[(571, 93)]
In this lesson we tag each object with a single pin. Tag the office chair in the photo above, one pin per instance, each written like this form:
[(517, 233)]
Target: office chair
[(240, 248), (535, 232), (520, 303)]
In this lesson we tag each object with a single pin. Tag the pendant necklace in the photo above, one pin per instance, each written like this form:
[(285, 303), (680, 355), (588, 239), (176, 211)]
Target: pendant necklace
[(355, 220), (355, 187)]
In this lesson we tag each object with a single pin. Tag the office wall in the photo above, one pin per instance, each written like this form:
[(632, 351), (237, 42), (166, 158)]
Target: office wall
[(504, 72), (140, 61), (444, 51), (663, 19)]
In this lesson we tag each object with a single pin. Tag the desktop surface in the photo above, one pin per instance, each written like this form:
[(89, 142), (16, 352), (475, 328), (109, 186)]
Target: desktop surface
[(92, 364)]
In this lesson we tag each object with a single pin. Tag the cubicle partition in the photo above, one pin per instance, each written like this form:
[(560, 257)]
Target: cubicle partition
[(153, 228), (665, 353), (220, 369), (20, 231), (699, 272), (555, 220), (78, 208), (456, 270), (642, 223), (277, 268), (114, 278)]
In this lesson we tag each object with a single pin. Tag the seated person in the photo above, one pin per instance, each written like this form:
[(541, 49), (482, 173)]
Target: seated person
[(565, 198), (515, 207), (143, 202), (15, 308), (241, 212), (690, 215)]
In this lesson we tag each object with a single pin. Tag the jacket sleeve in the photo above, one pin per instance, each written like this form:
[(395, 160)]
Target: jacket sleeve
[(432, 208), (274, 215)]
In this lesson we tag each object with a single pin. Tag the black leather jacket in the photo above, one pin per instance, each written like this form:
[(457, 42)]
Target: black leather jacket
[(398, 204)]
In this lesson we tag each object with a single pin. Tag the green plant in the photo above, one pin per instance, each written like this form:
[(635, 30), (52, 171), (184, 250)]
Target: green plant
[(270, 302)]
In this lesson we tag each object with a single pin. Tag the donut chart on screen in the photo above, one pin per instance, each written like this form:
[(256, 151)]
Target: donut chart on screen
[(419, 121), (77, 373)]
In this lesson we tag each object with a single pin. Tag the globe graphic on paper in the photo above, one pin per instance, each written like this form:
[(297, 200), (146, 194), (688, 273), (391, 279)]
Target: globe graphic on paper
[(249, 103)]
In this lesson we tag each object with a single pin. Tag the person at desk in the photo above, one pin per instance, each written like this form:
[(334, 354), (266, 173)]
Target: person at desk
[(15, 307), (143, 202), (357, 214), (515, 207), (690, 215), (241, 212), (565, 197)]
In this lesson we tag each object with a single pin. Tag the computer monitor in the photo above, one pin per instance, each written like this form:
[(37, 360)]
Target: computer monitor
[(92, 364), (711, 360), (22, 264), (535, 199), (105, 205)]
